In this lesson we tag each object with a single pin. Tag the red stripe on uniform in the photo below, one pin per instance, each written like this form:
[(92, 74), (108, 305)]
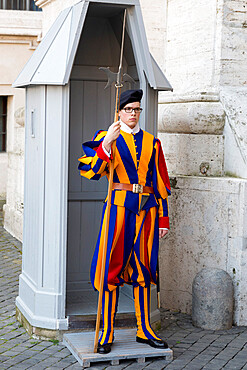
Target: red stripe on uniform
[(162, 166), (147, 227), (116, 262)]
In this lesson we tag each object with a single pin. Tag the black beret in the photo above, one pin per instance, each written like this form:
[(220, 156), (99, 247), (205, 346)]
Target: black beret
[(130, 96)]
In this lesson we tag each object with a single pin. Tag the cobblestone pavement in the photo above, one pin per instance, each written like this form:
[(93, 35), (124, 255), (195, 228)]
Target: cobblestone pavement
[(194, 349)]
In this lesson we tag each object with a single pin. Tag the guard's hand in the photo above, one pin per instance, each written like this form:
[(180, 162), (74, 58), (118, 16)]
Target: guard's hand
[(112, 135), (162, 233)]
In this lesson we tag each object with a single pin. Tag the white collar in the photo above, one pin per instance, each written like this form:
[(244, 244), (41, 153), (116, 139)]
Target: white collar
[(129, 130)]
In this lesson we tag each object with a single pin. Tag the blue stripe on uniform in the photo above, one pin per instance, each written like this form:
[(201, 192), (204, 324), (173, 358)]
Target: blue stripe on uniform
[(129, 238), (127, 160), (145, 271), (142, 309), (138, 142), (111, 311), (112, 225), (165, 207), (96, 251), (97, 165), (155, 249), (151, 165)]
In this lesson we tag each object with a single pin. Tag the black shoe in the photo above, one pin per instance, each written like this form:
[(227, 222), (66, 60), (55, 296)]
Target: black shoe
[(103, 349), (156, 343)]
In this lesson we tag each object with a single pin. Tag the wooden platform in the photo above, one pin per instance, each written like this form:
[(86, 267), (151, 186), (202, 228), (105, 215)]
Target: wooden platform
[(124, 347)]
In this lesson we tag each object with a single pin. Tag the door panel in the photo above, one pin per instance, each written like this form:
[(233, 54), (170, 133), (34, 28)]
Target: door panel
[(92, 109), (89, 113)]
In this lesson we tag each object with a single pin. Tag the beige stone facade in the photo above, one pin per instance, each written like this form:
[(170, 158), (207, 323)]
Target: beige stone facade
[(205, 62), (20, 32), (208, 229), (202, 125)]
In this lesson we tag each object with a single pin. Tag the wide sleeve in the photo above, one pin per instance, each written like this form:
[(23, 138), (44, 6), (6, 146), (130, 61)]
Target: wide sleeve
[(161, 185), (94, 164)]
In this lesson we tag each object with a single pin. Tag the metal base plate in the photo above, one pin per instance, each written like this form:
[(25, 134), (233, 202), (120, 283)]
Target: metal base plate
[(124, 347)]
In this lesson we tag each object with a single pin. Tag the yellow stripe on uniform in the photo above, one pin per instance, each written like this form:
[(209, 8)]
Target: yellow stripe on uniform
[(140, 333), (121, 171), (153, 212), (105, 317), (109, 309), (100, 135), (161, 185), (146, 309), (140, 277), (112, 315), (118, 227), (128, 138), (139, 220), (100, 256), (146, 153), (142, 304)]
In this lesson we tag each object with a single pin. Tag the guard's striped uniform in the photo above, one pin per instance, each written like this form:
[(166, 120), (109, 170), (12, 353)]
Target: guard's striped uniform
[(109, 310), (133, 239), (142, 310)]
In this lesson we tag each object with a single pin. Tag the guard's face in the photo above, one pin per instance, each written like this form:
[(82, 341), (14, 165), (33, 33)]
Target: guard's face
[(131, 119)]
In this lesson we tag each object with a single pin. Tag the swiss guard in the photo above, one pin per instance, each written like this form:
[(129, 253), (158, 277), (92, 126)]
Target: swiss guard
[(138, 216)]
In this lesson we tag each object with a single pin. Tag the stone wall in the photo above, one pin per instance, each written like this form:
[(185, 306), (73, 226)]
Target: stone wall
[(191, 130), (20, 32), (3, 182), (192, 118), (208, 229), (202, 126), (154, 17), (233, 85), (192, 57), (205, 62)]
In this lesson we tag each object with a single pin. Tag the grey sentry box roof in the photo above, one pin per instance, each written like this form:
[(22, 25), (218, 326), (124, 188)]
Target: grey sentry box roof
[(65, 104), (63, 38)]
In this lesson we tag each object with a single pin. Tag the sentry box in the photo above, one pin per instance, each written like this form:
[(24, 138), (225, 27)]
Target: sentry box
[(65, 104)]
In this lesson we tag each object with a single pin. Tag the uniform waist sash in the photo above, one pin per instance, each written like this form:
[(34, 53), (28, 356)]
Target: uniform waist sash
[(135, 188)]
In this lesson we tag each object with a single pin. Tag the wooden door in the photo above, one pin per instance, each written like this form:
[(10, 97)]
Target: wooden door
[(89, 112), (91, 109)]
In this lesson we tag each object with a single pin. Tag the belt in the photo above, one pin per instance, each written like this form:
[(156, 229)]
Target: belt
[(135, 188)]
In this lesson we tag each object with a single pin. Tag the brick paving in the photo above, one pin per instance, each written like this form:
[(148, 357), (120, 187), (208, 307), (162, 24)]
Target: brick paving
[(194, 349)]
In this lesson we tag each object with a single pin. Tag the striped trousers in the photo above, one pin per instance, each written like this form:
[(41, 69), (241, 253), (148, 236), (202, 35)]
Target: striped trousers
[(132, 249), (142, 311)]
